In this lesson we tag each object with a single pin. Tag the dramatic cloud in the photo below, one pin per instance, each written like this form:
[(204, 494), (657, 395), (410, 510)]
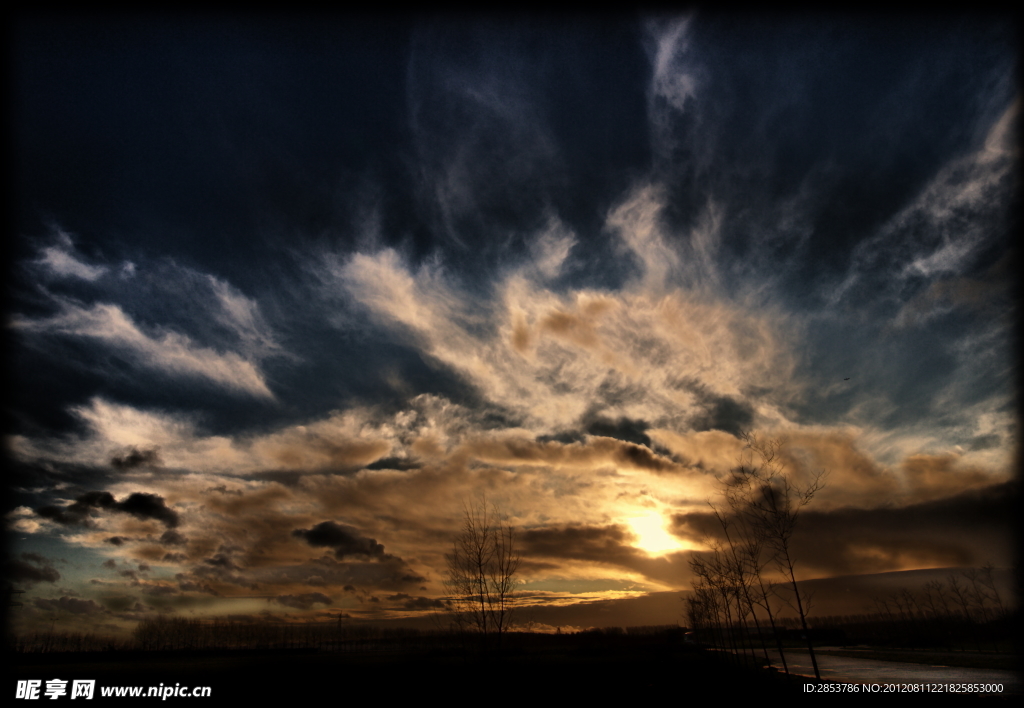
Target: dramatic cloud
[(68, 604), (632, 355), (971, 528), (148, 506), (31, 568), (138, 504), (362, 275), (608, 545), (419, 603), (167, 352), (345, 540), (61, 260), (304, 601), (172, 538), (592, 543), (135, 458)]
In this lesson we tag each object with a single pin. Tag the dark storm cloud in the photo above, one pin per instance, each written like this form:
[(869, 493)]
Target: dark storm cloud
[(414, 603), (857, 594), (78, 512), (984, 442), (20, 571), (68, 604), (173, 538), (591, 451), (130, 574), (185, 584), (622, 429), (148, 506), (39, 559), (345, 540), (726, 414), (422, 603), (56, 474), (218, 571), (566, 437), (139, 504), (32, 568), (967, 529), (135, 458), (304, 601), (718, 412), (394, 463), (642, 458), (221, 560), (122, 603), (600, 543)]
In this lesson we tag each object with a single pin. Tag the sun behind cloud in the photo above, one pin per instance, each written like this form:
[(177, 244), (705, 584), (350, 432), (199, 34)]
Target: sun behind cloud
[(653, 535)]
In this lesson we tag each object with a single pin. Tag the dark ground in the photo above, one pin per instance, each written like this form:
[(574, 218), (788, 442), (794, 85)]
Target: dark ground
[(604, 674), (602, 670)]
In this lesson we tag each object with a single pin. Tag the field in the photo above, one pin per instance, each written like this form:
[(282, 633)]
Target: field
[(529, 667)]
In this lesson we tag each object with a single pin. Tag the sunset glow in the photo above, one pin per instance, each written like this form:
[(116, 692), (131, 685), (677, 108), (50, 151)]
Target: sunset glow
[(654, 537)]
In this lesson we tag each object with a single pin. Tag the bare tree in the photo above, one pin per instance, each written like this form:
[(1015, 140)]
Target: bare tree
[(742, 563), (751, 550), (987, 578), (482, 574), (772, 501)]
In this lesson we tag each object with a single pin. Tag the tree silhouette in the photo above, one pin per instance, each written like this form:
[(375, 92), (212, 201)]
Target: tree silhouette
[(771, 501), (482, 574)]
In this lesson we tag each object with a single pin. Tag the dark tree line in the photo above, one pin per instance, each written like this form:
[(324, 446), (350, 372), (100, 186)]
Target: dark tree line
[(965, 610), (183, 634)]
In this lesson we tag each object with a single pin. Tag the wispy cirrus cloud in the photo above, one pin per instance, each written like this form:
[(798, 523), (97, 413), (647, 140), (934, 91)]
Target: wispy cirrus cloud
[(674, 82), (650, 352), (242, 316), (342, 442), (942, 230), (159, 316), (168, 352), (61, 260)]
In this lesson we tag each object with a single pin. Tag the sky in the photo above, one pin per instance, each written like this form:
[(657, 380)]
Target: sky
[(287, 293)]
